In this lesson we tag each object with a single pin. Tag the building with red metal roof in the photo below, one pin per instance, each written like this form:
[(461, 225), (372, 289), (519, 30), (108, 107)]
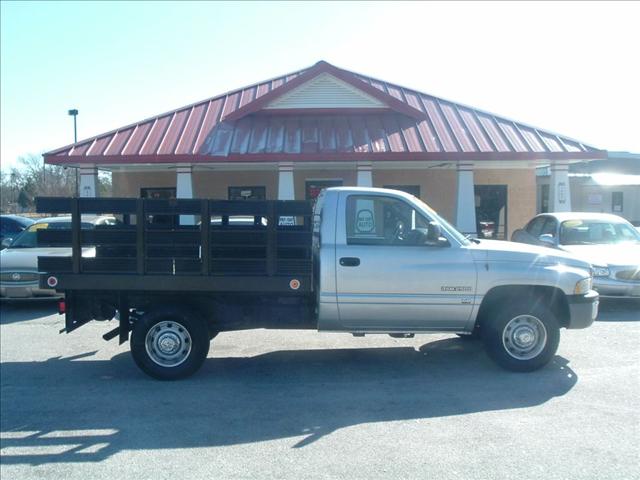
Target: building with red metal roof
[(292, 135)]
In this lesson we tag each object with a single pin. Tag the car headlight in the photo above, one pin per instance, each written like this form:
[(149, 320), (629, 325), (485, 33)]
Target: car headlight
[(583, 286), (601, 271)]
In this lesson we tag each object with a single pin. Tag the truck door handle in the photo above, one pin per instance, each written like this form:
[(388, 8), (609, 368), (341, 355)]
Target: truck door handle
[(349, 261)]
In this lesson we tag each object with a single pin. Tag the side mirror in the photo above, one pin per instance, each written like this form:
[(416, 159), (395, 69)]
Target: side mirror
[(433, 232), (6, 242), (548, 240), (434, 235)]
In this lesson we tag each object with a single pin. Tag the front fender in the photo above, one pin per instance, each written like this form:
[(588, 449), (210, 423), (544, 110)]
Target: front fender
[(498, 274)]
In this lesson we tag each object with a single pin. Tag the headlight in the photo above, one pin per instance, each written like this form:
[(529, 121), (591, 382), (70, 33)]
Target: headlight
[(583, 286), (601, 271)]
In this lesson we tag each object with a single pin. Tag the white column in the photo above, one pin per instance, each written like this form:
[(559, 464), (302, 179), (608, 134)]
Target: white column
[(466, 200), (365, 178), (286, 190), (88, 181), (184, 189), (559, 190)]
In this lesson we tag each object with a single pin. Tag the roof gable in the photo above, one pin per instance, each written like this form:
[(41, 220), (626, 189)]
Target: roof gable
[(325, 91), (317, 70)]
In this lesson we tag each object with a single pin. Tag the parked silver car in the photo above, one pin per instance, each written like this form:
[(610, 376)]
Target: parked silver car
[(19, 261), (608, 242)]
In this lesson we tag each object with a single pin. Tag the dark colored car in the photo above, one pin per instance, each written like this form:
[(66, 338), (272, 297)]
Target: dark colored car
[(11, 226)]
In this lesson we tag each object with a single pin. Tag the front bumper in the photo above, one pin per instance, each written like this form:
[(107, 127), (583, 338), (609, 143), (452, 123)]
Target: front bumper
[(26, 291), (609, 287), (583, 309)]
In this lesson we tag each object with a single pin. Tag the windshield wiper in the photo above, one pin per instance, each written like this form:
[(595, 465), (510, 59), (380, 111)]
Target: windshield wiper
[(472, 239)]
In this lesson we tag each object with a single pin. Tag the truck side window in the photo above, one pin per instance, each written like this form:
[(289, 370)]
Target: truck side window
[(380, 220)]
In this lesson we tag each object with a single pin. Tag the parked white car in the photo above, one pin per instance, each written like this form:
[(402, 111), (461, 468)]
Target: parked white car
[(609, 242), (19, 261)]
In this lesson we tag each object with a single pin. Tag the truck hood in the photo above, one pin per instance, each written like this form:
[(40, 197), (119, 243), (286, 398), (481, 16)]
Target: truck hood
[(606, 255), (501, 251), (26, 259)]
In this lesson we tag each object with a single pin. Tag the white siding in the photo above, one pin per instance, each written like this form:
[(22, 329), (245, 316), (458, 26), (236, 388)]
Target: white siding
[(326, 91), (590, 197)]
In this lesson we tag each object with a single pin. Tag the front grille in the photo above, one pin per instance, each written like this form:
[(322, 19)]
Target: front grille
[(629, 275), (18, 277)]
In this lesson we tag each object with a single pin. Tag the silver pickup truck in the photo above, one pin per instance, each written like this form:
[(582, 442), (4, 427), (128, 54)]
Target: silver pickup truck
[(361, 261), (390, 264)]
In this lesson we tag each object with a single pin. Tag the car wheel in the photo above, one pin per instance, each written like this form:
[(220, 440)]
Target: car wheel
[(522, 339), (170, 343)]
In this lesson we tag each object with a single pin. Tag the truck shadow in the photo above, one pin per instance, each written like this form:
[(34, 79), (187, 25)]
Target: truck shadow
[(12, 311), (621, 309), (84, 410)]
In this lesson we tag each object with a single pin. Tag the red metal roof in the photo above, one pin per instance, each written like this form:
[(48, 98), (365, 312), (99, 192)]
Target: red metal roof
[(235, 127)]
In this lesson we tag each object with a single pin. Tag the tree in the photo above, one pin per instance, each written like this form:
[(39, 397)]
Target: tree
[(33, 178), (23, 200)]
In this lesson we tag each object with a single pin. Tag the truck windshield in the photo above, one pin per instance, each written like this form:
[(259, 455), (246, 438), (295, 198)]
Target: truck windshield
[(446, 226)]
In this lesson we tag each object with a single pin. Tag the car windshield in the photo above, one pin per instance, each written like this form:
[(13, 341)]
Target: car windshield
[(595, 232), (29, 237)]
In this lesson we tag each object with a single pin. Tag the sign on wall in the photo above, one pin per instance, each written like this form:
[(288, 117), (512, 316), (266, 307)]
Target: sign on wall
[(594, 199)]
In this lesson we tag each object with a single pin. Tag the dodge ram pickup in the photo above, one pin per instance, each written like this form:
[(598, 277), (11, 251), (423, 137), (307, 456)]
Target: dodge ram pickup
[(176, 273)]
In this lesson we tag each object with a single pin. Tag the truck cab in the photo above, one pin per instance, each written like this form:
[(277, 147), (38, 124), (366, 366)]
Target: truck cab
[(383, 260)]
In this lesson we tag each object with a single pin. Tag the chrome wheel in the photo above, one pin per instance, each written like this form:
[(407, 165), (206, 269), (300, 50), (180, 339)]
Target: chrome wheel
[(168, 344), (524, 337)]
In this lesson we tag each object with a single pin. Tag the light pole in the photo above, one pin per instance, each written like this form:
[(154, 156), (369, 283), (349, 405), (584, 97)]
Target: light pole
[(74, 113)]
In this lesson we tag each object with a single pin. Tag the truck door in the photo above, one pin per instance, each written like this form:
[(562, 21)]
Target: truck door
[(389, 276)]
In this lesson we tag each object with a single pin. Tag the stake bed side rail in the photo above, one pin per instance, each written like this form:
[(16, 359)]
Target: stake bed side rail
[(181, 245)]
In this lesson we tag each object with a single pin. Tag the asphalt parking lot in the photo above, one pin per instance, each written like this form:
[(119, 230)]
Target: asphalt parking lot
[(291, 404)]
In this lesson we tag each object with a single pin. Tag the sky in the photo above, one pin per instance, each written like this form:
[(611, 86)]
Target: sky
[(571, 68)]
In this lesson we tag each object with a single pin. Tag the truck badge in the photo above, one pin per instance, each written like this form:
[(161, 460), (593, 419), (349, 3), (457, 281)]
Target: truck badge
[(455, 289)]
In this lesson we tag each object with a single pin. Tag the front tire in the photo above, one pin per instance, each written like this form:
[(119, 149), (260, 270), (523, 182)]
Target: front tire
[(170, 343), (521, 339)]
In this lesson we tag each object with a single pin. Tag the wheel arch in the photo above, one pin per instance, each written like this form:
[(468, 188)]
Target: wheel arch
[(553, 297), (185, 306)]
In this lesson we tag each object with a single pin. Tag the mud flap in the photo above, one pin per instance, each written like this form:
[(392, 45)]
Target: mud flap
[(77, 312), (125, 321)]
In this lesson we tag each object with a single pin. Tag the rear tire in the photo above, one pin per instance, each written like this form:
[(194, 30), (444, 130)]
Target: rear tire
[(521, 338), (170, 343)]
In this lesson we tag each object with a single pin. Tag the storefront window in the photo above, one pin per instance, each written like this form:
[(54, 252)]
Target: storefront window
[(314, 187), (162, 193), (247, 193), (158, 193), (616, 202), (491, 211)]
